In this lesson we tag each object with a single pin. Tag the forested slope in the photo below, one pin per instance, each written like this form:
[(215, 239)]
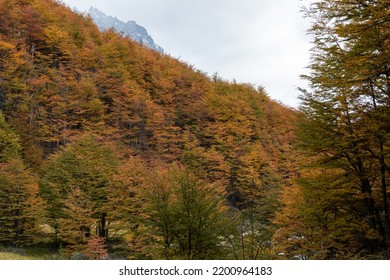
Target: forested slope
[(109, 147), (111, 150)]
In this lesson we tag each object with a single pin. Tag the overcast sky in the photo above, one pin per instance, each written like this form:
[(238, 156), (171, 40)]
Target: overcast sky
[(262, 42)]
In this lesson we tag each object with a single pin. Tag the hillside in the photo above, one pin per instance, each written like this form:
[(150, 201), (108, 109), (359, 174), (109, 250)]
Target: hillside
[(96, 128), (110, 150)]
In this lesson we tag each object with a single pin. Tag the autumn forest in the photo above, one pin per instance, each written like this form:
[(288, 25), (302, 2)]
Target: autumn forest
[(110, 150)]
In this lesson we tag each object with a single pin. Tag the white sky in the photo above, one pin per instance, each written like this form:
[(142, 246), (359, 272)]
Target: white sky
[(262, 42)]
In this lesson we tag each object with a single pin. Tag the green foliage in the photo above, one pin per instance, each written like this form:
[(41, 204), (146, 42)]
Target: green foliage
[(189, 216), (127, 208), (75, 185), (19, 204), (344, 131), (9, 142), (19, 201)]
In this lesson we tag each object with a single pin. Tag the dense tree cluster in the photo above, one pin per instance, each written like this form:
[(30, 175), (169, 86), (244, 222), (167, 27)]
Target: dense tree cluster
[(19, 201), (111, 150), (105, 143)]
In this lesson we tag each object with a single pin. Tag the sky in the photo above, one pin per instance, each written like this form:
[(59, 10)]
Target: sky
[(261, 42)]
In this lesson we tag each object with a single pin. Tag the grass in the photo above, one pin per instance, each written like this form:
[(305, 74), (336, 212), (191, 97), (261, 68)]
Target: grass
[(29, 253), (13, 256)]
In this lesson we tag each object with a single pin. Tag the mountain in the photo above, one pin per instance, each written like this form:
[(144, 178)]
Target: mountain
[(130, 29), (97, 128), (109, 149)]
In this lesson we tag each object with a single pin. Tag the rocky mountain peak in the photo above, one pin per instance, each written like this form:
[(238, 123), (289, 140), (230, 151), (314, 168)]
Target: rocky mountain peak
[(130, 28)]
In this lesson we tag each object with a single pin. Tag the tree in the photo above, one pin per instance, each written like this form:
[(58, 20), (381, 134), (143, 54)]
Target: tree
[(96, 248), (345, 127), (61, 78), (188, 214), (19, 204), (250, 237), (126, 199), (9, 142), (19, 201), (75, 186)]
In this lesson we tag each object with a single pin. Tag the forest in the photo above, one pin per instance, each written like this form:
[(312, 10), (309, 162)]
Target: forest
[(110, 150)]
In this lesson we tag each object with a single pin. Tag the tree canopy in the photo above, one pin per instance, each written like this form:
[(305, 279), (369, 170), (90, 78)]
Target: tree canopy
[(112, 150), (344, 131)]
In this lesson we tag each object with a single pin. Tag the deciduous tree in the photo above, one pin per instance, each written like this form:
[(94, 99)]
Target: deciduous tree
[(75, 186), (189, 216), (19, 201), (345, 125)]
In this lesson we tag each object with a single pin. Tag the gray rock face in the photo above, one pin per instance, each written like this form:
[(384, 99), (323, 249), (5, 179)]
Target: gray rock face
[(130, 29)]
